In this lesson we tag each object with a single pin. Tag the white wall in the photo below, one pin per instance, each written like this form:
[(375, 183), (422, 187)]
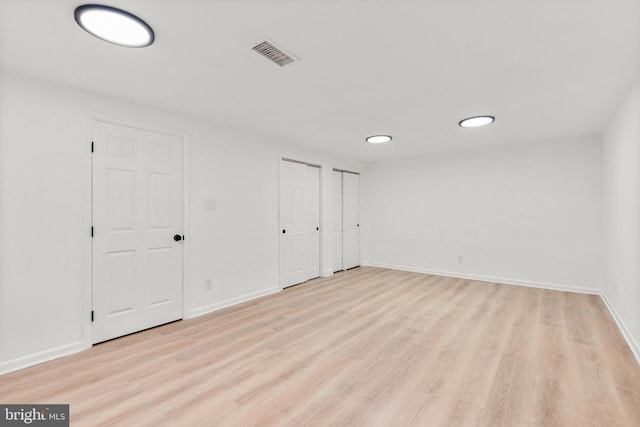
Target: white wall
[(622, 215), (41, 292), (44, 211), (528, 214), (525, 214)]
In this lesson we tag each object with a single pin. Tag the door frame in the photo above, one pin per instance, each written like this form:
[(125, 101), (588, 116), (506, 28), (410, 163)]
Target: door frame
[(333, 219), (320, 216), (343, 171), (85, 137), (357, 222)]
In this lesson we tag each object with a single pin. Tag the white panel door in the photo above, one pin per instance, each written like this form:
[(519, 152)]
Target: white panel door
[(351, 219), (137, 211), (312, 220), (336, 221), (292, 223), (299, 223)]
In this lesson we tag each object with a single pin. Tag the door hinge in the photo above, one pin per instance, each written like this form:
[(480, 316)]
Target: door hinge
[(92, 146), (92, 315), (91, 231)]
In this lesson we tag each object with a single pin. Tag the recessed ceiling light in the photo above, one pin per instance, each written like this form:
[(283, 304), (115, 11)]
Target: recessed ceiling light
[(114, 25), (474, 122), (378, 139)]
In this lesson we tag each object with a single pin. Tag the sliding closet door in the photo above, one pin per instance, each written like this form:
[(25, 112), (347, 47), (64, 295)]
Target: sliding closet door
[(312, 215), (336, 221), (351, 219), (299, 222), (346, 220)]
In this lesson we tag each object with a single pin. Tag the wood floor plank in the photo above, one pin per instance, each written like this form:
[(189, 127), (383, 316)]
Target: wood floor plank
[(366, 347), (625, 380)]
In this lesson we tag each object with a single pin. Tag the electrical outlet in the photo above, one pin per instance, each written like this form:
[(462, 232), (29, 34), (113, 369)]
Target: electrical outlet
[(460, 259), (208, 285)]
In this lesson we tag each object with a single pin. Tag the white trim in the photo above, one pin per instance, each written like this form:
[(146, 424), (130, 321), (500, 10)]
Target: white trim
[(280, 184), (626, 333), (502, 280), (322, 204), (186, 225), (233, 301), (41, 357), (313, 165), (87, 219), (147, 126)]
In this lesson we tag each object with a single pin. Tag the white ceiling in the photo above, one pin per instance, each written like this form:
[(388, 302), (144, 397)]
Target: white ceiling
[(410, 68)]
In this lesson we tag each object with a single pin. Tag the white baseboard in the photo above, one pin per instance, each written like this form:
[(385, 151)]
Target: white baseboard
[(41, 357), (75, 347), (233, 301), (504, 280), (633, 344)]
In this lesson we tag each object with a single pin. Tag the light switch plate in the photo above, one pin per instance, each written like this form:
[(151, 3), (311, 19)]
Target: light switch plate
[(210, 205)]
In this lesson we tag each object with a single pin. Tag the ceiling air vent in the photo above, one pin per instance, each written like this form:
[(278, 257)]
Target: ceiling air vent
[(272, 53)]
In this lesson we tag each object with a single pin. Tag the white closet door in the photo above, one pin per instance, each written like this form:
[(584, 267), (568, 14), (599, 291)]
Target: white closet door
[(351, 219), (312, 235), (299, 223), (336, 222), (292, 223), (137, 211)]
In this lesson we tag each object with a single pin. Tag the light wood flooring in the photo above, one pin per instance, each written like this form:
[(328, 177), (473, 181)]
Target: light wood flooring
[(367, 347)]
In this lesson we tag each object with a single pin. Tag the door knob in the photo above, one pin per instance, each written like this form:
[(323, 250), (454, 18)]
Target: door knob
[(177, 237)]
